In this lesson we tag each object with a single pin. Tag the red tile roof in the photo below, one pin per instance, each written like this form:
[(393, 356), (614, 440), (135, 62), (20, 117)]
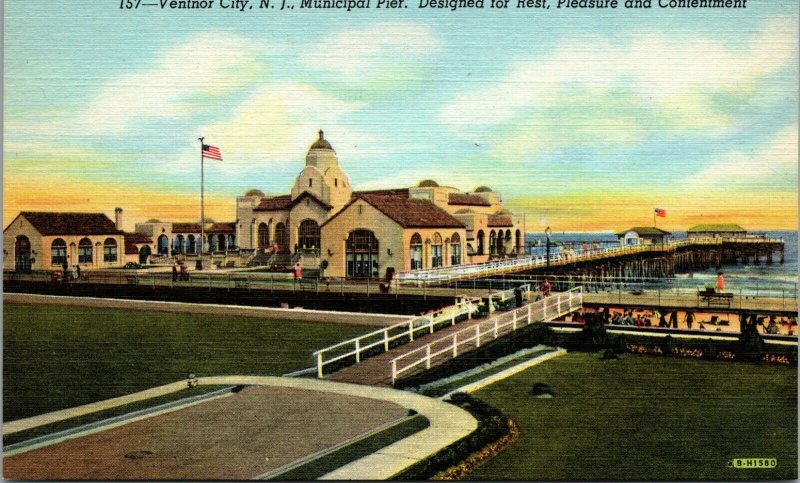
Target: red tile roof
[(274, 203), (306, 194), (500, 220), (406, 212), (186, 228), (229, 227), (131, 239), (55, 223), (467, 199)]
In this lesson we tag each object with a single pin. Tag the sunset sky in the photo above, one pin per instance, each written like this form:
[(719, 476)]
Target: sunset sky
[(583, 120)]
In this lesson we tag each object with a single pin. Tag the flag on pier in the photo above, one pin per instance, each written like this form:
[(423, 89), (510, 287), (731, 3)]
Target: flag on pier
[(211, 152), (661, 213)]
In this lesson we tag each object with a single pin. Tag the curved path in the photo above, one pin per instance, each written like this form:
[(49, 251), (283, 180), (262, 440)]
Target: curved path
[(448, 424)]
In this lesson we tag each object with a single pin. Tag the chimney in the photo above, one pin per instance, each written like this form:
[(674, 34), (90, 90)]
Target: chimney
[(118, 218)]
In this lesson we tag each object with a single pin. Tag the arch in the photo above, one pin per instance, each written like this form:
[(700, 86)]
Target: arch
[(222, 242), (263, 235), (144, 254), (179, 245), (361, 254), (436, 250), (455, 249), (212, 243), (22, 254), (481, 247), (492, 243), (85, 254), (281, 237), (163, 245), (308, 234), (416, 251), (110, 250), (231, 241), (58, 252), (518, 242), (191, 247)]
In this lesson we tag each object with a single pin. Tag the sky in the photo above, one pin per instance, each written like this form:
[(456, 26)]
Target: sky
[(583, 120)]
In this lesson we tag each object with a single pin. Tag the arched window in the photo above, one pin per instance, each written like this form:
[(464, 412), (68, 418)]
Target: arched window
[(163, 245), (110, 250), (492, 243), (480, 242), (58, 252), (308, 234), (190, 244), (263, 235), (22, 254), (212, 243), (222, 242), (179, 244), (85, 251), (362, 254), (416, 252), (231, 241), (455, 249), (281, 237), (436, 250)]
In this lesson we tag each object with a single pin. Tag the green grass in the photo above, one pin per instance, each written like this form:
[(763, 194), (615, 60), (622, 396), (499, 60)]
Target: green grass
[(646, 418), (329, 462), (60, 357)]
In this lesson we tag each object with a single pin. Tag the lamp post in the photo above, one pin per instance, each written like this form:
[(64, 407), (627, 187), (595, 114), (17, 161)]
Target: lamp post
[(547, 232)]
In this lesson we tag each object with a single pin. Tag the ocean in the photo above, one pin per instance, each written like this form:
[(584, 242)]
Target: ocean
[(764, 279)]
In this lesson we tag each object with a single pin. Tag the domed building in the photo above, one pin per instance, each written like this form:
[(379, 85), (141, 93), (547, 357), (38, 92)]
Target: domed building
[(366, 234)]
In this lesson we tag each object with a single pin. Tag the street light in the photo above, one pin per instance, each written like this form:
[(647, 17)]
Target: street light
[(547, 232)]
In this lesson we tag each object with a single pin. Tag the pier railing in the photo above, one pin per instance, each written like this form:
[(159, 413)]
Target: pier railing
[(381, 340), (449, 346)]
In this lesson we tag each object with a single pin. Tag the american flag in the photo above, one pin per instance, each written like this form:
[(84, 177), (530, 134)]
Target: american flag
[(211, 152), (661, 213)]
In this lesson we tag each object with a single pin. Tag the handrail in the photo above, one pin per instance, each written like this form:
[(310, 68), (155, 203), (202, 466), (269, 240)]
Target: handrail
[(549, 307), (466, 306)]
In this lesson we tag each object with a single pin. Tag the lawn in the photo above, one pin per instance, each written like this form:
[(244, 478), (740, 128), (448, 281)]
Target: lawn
[(646, 418), (60, 357)]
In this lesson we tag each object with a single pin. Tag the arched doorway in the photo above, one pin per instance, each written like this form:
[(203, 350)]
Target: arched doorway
[(308, 235), (480, 242), (281, 237), (492, 243), (179, 245), (222, 242), (22, 254), (190, 245), (362, 254), (163, 245), (416, 251), (263, 235), (144, 254)]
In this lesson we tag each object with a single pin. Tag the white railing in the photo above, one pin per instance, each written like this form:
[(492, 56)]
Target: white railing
[(448, 347), (427, 323)]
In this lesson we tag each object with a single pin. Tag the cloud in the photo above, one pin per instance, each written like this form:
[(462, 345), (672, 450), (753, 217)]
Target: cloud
[(670, 79), (773, 168), (187, 79), (383, 52)]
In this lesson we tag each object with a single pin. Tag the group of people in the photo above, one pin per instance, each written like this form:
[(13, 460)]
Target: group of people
[(668, 319), (70, 272), (183, 275)]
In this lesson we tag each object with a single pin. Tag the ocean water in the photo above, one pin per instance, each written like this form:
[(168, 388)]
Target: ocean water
[(766, 279)]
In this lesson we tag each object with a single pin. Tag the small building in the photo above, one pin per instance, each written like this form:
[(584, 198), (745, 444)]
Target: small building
[(706, 231), (41, 240), (170, 239), (642, 235)]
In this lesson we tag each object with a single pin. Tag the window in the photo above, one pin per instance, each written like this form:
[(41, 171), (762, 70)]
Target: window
[(455, 249), (335, 181), (416, 252), (85, 251), (190, 244), (110, 250), (436, 251), (480, 242), (281, 237), (58, 252), (492, 243), (263, 235), (310, 183), (308, 234), (362, 254)]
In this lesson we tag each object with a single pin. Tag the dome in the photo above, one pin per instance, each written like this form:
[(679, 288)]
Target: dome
[(428, 183), (482, 189), (321, 143), (255, 192)]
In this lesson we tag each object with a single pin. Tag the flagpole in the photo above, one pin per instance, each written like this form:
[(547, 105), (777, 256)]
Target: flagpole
[(202, 206), (654, 218)]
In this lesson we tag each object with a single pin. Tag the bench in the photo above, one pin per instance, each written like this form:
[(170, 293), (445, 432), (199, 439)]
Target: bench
[(309, 277), (710, 297)]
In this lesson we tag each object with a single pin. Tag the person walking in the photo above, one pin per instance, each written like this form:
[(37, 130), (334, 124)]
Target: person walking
[(298, 272), (720, 282), (689, 319), (673, 319)]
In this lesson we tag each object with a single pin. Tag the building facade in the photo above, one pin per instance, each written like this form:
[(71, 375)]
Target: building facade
[(364, 234), (643, 235), (706, 231)]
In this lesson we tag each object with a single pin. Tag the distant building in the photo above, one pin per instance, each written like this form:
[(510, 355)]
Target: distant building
[(366, 233), (171, 239), (38, 240), (716, 231), (642, 235)]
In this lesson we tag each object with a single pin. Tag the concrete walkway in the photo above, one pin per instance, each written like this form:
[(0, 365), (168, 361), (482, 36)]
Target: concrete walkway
[(448, 424)]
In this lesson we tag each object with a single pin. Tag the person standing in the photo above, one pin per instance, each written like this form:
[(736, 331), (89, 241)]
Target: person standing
[(174, 272), (298, 272), (78, 269), (689, 319), (673, 319), (720, 282)]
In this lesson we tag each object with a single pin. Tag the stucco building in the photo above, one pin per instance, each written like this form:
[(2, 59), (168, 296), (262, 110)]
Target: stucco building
[(323, 221)]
